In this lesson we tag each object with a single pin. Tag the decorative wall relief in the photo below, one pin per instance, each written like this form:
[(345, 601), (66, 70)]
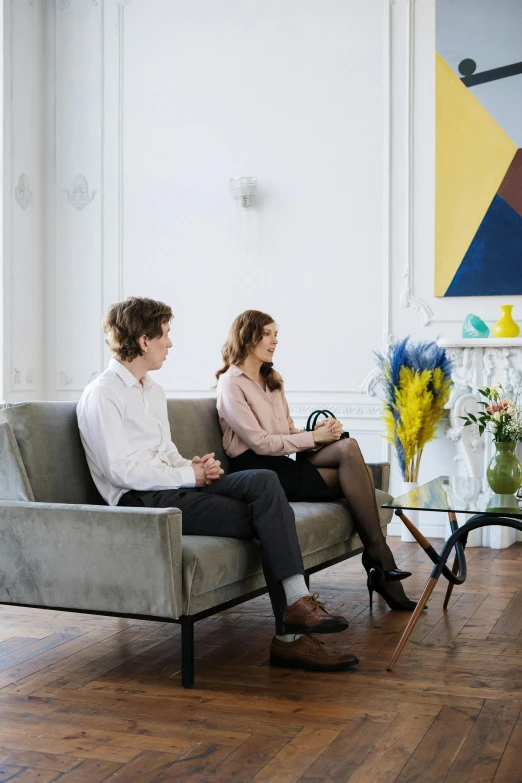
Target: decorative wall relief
[(93, 375), (64, 4), (474, 368), (65, 380), (478, 214), (18, 384), (345, 411), (409, 300), (78, 196), (370, 383), (23, 193)]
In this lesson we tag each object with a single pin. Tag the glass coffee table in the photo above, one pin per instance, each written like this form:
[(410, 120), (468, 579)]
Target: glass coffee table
[(452, 494)]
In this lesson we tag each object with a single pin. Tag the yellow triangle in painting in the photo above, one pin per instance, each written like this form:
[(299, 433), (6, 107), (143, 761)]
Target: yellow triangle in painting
[(473, 155)]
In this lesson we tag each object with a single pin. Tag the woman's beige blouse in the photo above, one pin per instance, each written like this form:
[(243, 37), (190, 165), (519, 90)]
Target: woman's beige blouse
[(254, 419)]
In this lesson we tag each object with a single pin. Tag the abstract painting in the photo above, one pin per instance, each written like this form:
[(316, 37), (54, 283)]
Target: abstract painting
[(478, 203)]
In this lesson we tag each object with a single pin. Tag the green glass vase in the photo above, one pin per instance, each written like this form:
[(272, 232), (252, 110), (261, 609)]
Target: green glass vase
[(504, 472)]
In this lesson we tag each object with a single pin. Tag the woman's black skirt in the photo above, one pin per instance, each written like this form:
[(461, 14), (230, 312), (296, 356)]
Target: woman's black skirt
[(299, 478)]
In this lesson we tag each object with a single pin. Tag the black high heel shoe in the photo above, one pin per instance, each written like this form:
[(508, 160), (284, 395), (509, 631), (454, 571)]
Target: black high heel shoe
[(375, 583), (395, 575)]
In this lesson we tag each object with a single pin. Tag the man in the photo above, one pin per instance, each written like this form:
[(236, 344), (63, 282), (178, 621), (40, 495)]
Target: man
[(122, 417)]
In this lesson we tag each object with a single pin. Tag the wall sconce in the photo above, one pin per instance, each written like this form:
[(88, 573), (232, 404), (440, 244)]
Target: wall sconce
[(243, 189)]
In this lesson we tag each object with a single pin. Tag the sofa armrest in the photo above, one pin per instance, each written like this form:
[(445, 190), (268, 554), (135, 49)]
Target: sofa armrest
[(381, 474), (92, 558)]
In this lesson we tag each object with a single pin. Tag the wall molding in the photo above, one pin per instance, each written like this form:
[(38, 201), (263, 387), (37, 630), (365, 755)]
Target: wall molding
[(340, 410), (407, 296), (64, 4), (65, 381), (79, 196), (23, 193), (345, 410), (367, 384), (20, 383), (114, 17)]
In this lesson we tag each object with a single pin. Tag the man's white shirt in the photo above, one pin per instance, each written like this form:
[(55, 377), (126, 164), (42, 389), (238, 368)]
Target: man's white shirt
[(125, 432)]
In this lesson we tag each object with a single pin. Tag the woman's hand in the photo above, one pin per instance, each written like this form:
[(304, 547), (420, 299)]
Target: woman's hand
[(334, 424), (327, 431), (337, 427)]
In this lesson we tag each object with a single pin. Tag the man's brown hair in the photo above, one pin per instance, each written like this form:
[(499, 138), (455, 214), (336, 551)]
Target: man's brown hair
[(125, 322), (245, 333)]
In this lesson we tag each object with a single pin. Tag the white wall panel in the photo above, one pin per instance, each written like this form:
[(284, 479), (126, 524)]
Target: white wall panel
[(76, 265), (23, 201), (199, 101)]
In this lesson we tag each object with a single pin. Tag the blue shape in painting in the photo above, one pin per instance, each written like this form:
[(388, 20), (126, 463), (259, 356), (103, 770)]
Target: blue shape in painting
[(493, 263)]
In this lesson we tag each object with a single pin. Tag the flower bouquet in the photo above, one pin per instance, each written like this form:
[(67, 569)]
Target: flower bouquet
[(502, 418), (416, 380)]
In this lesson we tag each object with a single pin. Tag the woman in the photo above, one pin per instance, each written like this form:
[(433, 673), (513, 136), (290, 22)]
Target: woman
[(258, 432)]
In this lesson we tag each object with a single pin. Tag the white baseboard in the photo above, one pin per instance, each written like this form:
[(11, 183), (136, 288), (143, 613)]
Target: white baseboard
[(430, 530)]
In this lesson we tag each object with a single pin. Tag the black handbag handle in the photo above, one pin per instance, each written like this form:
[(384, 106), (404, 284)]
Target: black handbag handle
[(314, 416), (310, 425)]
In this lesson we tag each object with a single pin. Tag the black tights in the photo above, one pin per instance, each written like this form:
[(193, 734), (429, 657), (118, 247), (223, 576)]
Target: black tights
[(342, 466)]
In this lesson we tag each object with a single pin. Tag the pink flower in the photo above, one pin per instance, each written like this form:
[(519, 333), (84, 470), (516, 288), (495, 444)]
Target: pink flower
[(502, 406)]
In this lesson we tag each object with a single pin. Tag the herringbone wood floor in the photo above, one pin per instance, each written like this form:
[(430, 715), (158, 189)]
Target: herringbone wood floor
[(85, 699)]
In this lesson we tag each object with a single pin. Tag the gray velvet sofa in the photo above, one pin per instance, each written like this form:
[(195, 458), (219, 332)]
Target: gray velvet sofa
[(64, 548)]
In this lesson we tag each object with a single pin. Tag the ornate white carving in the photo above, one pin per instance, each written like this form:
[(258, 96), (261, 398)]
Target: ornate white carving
[(79, 196), (407, 296), (65, 380), (473, 368), (408, 300), (511, 375), (66, 3), (23, 192), (370, 382), (93, 375), (471, 457), (16, 376), (355, 411), (29, 378)]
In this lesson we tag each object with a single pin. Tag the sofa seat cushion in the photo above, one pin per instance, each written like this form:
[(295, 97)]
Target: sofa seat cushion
[(211, 562)]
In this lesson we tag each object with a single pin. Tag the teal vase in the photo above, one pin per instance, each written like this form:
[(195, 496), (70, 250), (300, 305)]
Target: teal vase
[(504, 472)]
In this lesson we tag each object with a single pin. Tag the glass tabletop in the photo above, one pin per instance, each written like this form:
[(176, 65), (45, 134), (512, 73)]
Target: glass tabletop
[(458, 494)]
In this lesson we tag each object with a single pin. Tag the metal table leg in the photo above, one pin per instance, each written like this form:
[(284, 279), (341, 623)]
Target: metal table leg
[(455, 540), (455, 577)]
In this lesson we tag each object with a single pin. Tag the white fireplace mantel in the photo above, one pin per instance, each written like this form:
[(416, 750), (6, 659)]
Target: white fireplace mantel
[(478, 363), (483, 342)]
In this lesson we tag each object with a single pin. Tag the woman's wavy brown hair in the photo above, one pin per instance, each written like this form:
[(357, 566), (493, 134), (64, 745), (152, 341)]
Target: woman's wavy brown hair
[(245, 333), (125, 322)]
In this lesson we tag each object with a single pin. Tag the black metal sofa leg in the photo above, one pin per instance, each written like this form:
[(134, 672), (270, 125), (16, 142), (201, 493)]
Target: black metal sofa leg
[(187, 652)]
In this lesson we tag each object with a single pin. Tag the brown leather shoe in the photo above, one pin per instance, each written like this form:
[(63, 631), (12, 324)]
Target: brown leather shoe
[(308, 615), (309, 653)]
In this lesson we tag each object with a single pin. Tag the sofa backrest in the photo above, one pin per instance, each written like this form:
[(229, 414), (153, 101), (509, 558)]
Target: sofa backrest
[(51, 449), (49, 441), (14, 482), (194, 426)]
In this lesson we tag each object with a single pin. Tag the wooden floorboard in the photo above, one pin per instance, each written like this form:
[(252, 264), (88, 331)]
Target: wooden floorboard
[(86, 699)]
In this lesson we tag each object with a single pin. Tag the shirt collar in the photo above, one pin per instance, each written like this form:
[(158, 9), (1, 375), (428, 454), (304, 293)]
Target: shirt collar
[(126, 376), (233, 370)]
